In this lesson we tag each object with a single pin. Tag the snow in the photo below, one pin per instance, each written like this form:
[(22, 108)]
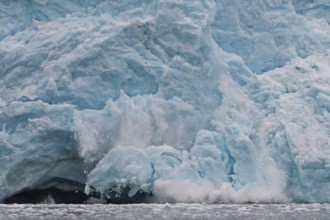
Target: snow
[(204, 101)]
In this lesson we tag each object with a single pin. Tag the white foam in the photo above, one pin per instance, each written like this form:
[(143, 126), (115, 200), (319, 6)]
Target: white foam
[(184, 191)]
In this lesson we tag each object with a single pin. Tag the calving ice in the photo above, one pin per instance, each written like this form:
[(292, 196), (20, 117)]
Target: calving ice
[(165, 101)]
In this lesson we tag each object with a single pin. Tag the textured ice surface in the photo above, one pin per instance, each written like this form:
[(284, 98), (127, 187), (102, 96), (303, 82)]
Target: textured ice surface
[(188, 101)]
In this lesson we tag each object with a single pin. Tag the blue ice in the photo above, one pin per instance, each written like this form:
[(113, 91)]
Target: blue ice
[(204, 101)]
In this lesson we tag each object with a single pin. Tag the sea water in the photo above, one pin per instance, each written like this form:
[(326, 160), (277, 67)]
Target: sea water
[(165, 211)]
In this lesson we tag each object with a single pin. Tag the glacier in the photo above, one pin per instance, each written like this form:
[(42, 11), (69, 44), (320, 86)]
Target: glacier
[(211, 101)]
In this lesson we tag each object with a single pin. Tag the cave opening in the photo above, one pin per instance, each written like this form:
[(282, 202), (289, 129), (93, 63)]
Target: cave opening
[(51, 195)]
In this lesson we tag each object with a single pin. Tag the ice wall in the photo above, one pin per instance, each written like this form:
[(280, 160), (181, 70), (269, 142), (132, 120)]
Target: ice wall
[(203, 101)]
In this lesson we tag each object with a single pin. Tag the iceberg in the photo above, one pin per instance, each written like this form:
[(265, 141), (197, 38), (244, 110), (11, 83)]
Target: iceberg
[(165, 101)]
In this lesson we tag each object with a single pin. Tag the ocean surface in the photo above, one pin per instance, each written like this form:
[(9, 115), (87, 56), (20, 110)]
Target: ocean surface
[(166, 211)]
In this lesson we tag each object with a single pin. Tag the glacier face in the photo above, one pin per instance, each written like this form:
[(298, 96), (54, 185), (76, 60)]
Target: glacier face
[(203, 101)]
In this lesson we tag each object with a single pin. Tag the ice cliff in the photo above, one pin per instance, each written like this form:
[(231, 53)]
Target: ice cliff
[(166, 101)]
